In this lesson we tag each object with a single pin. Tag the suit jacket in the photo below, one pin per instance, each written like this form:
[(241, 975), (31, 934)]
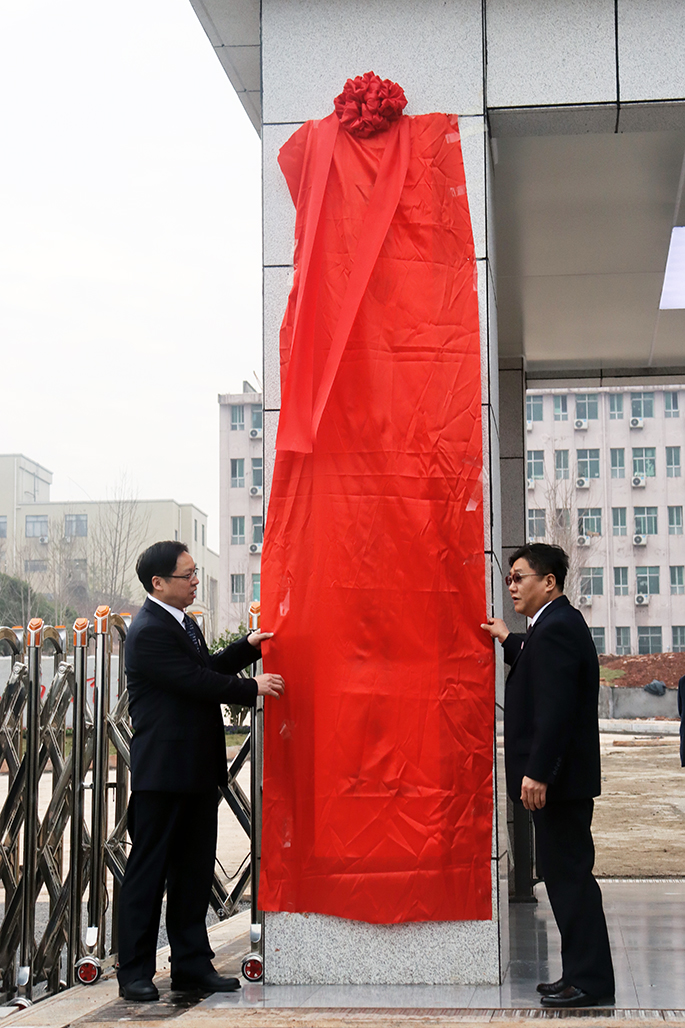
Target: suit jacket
[(551, 730), (681, 711), (175, 696)]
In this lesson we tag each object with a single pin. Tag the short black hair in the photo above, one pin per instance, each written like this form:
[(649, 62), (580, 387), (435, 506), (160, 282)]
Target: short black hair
[(159, 559), (544, 559)]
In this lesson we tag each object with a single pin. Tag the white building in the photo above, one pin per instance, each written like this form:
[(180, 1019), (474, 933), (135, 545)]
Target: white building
[(604, 466), (241, 517), (81, 553)]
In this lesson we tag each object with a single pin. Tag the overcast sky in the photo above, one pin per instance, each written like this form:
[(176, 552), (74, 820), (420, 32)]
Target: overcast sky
[(130, 246)]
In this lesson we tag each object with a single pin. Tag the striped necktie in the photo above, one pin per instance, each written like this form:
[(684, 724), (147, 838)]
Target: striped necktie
[(191, 629)]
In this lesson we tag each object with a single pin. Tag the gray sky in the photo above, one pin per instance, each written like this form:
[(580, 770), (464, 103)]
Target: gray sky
[(130, 246)]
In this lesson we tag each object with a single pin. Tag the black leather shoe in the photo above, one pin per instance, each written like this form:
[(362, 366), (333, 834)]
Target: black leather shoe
[(573, 997), (140, 991), (211, 982), (551, 988)]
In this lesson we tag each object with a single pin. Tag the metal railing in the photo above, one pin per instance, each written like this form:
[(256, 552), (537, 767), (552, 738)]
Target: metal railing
[(69, 849)]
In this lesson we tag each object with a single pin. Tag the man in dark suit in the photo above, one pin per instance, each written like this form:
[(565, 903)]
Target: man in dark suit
[(551, 743), (178, 761)]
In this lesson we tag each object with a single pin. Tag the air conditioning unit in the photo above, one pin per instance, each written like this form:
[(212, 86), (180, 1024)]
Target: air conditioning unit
[(582, 483), (44, 540), (256, 490), (255, 547), (638, 481), (639, 540), (580, 424), (255, 433), (583, 540), (641, 600), (637, 423), (529, 426), (585, 601), (531, 483)]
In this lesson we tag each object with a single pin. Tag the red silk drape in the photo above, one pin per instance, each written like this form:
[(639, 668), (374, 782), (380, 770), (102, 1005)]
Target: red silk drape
[(378, 761)]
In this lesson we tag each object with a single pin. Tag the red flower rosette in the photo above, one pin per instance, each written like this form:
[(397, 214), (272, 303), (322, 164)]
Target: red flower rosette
[(369, 104)]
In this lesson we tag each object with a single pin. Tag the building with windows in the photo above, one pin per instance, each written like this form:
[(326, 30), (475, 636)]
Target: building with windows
[(604, 476), (241, 504), (83, 553)]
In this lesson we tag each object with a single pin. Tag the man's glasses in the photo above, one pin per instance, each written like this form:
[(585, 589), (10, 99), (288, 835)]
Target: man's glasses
[(517, 576), (191, 574)]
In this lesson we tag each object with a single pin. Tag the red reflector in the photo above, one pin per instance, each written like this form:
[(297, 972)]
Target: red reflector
[(253, 969), (87, 973)]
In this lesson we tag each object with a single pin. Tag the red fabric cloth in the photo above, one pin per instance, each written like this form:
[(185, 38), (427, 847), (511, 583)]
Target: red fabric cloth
[(378, 760)]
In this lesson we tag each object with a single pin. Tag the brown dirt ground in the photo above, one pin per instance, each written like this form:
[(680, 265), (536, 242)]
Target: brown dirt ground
[(667, 667), (639, 822)]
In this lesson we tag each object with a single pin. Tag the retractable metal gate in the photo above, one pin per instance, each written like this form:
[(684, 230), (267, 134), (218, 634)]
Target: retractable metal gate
[(50, 858)]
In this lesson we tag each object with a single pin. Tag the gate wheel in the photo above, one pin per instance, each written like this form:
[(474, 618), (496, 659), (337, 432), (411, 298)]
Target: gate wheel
[(253, 968), (88, 970)]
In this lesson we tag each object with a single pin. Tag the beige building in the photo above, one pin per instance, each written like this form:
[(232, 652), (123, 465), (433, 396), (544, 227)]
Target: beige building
[(241, 518), (83, 553), (604, 478)]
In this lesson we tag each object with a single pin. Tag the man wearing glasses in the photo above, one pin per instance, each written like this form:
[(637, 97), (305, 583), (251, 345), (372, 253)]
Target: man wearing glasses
[(178, 761), (551, 744)]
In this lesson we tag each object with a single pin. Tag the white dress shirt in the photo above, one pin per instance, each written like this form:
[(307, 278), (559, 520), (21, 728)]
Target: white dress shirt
[(174, 611)]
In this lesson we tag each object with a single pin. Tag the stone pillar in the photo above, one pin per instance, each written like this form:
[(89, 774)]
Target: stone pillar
[(308, 51)]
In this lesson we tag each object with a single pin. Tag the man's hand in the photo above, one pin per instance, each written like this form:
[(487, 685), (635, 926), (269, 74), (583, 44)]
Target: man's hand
[(269, 685), (533, 794), (256, 638), (496, 628)]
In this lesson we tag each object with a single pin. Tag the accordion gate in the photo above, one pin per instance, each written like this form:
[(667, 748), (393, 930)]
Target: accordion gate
[(80, 937)]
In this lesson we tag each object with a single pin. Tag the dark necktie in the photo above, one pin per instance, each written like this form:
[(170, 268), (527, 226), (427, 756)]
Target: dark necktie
[(191, 629)]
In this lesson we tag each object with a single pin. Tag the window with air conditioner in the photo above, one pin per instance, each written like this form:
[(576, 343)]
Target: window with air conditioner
[(620, 581), (642, 405), (644, 461), (560, 408), (647, 581), (615, 407), (587, 406), (648, 639), (561, 470), (592, 582), (619, 524), (536, 465), (588, 463), (645, 520), (618, 462), (36, 526), (590, 521), (533, 408)]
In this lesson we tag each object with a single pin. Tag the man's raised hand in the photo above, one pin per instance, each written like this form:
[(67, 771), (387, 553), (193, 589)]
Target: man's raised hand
[(496, 628), (256, 638)]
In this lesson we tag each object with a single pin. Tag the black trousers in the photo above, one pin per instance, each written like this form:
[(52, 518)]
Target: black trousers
[(567, 855), (174, 844)]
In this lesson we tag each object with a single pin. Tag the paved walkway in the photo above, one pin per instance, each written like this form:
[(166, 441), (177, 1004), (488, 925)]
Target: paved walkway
[(646, 923)]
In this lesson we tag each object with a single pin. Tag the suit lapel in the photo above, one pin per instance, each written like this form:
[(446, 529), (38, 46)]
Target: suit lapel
[(163, 615)]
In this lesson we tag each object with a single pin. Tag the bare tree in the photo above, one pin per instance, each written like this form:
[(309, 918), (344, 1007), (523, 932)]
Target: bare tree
[(115, 540), (561, 529)]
